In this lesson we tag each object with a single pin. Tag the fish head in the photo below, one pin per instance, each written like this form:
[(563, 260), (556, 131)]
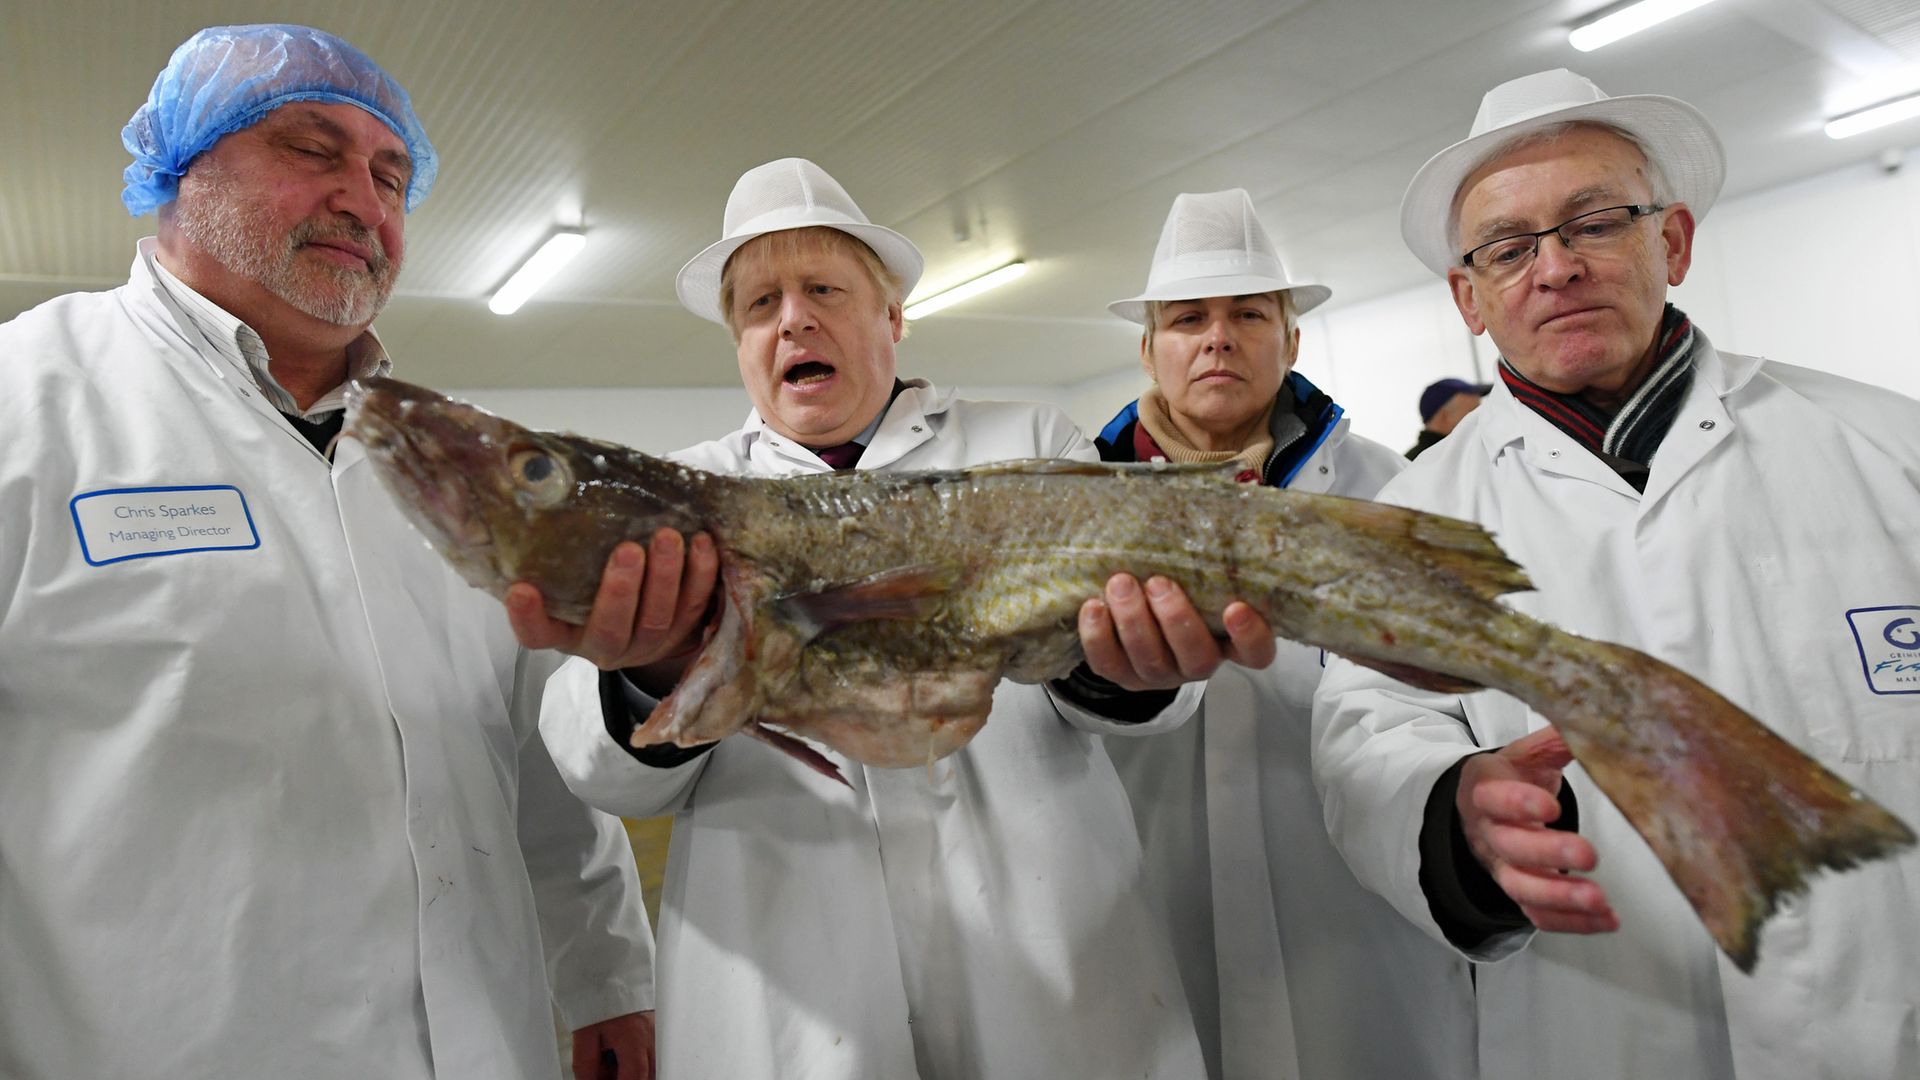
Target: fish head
[(503, 503)]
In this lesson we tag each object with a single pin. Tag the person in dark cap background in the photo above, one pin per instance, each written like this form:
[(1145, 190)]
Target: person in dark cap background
[(1442, 406)]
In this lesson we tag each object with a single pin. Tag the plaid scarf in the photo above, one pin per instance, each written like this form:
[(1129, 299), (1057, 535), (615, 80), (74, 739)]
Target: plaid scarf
[(1625, 439)]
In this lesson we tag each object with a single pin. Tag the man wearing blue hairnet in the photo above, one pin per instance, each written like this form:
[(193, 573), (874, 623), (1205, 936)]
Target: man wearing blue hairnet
[(272, 796)]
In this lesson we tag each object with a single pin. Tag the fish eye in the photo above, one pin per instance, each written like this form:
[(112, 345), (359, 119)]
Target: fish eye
[(541, 478)]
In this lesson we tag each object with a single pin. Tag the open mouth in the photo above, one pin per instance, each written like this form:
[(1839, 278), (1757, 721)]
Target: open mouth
[(440, 500), (808, 373)]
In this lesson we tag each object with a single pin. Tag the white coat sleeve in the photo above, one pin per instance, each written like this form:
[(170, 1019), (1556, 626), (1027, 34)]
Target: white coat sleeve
[(598, 769), (1379, 746), (586, 891)]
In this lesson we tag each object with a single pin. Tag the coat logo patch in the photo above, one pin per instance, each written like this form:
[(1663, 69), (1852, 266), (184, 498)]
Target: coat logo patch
[(1889, 642)]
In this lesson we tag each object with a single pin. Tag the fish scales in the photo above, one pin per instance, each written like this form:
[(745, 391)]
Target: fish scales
[(1026, 549), (874, 613)]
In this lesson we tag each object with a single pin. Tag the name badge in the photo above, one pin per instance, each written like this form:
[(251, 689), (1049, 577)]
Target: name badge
[(1889, 642), (139, 523)]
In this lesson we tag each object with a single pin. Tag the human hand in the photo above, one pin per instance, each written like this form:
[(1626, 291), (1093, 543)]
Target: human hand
[(616, 1049), (649, 609), (1155, 639), (1505, 802)]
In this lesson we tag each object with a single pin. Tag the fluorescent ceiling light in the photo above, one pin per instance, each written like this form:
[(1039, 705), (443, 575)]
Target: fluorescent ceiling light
[(1631, 19), (1877, 116), (967, 290), (559, 250)]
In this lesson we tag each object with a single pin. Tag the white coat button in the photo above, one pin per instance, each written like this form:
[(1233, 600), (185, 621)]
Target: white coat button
[(1553, 453), (1706, 425), (1323, 470)]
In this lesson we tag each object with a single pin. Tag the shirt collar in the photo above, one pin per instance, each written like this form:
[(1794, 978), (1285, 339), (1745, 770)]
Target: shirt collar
[(866, 436), (901, 426), (241, 347), (1509, 421), (757, 425)]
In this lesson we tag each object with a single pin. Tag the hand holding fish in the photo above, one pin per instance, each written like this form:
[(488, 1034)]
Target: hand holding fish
[(649, 610), (1155, 639), (1506, 800)]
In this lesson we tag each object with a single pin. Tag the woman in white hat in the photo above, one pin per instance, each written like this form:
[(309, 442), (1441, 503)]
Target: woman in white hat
[(1293, 969), (979, 918)]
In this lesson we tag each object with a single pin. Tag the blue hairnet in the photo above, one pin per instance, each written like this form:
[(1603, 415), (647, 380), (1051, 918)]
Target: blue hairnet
[(225, 78)]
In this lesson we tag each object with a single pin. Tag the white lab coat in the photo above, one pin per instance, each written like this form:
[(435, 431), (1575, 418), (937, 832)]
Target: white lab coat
[(1293, 969), (977, 919), (1781, 501), (270, 811)]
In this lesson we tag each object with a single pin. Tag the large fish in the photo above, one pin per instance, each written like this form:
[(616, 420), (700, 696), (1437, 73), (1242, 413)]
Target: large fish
[(875, 612)]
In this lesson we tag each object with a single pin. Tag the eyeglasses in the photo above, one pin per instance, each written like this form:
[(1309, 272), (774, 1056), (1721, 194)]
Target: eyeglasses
[(1592, 232)]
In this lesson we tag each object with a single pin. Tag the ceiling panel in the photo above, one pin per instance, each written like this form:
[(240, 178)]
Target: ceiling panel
[(1053, 130)]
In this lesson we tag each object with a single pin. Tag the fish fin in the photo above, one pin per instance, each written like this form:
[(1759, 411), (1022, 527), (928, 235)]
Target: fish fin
[(1040, 467), (1741, 818), (1225, 470), (1072, 467), (1417, 676), (799, 751), (1464, 549), (713, 698), (909, 592), (725, 686), (1472, 554)]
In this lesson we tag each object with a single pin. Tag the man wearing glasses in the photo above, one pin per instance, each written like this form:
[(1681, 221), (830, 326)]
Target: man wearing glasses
[(1750, 522)]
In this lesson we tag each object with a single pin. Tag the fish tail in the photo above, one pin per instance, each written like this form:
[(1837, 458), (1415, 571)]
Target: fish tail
[(1740, 818)]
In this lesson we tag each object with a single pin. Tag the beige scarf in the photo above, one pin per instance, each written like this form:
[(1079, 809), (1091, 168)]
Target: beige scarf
[(1158, 421)]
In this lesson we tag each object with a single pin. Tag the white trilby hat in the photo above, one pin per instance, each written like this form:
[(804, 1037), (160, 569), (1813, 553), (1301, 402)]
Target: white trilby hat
[(791, 193), (1214, 245), (1675, 135)]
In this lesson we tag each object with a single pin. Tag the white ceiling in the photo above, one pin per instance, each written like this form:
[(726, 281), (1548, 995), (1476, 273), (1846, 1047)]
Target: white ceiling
[(1057, 132)]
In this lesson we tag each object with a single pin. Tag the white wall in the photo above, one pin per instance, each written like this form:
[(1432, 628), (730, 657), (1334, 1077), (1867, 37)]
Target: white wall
[(661, 421), (1823, 273), (656, 421), (1375, 358)]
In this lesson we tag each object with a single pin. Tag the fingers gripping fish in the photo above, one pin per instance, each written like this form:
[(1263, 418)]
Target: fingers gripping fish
[(874, 613)]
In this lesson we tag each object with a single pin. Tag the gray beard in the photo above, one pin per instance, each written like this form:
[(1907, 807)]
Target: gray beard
[(239, 236)]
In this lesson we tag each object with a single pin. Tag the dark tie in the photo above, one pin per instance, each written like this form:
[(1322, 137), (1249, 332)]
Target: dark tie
[(844, 456)]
